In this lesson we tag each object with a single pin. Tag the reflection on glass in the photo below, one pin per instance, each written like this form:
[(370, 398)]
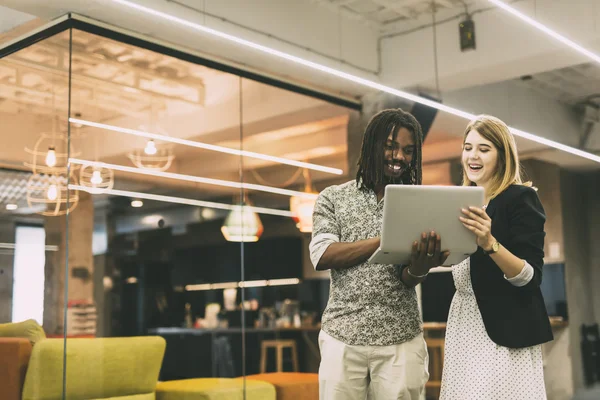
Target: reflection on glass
[(172, 219)]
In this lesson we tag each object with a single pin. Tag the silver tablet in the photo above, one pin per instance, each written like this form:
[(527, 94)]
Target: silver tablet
[(409, 210)]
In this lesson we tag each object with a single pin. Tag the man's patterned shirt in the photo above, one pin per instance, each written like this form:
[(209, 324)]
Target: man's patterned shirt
[(368, 304)]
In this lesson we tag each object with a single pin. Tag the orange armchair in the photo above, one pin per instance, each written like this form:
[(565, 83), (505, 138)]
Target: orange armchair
[(15, 354)]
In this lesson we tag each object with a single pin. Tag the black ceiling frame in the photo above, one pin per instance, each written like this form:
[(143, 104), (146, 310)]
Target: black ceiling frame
[(72, 21)]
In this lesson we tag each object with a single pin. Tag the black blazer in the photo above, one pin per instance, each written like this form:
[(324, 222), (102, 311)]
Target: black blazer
[(513, 316)]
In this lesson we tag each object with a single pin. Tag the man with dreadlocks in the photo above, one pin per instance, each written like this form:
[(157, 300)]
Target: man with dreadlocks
[(371, 338)]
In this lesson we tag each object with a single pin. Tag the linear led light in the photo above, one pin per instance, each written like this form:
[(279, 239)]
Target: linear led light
[(226, 285), (251, 284), (282, 282), (243, 284), (12, 246), (349, 77), (181, 200), (195, 179), (546, 30), (207, 146)]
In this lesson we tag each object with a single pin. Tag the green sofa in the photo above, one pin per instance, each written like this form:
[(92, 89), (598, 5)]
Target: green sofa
[(101, 368)]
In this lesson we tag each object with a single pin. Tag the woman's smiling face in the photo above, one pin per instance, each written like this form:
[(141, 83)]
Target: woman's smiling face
[(479, 158)]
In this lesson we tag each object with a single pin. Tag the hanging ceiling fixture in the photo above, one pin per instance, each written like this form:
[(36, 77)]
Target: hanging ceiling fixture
[(46, 188), (303, 207), (51, 192), (242, 225), (97, 179), (153, 157), (54, 160), (349, 77)]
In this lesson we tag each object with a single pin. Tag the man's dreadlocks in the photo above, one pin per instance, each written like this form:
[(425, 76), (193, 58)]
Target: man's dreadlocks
[(371, 163)]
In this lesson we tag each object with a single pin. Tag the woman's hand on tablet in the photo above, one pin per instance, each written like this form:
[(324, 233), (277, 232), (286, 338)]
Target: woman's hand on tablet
[(427, 253), (477, 221)]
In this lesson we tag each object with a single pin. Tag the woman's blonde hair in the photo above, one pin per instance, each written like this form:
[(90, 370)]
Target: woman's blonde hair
[(508, 167)]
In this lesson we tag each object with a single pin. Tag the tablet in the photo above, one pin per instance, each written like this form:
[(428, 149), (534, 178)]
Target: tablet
[(409, 210)]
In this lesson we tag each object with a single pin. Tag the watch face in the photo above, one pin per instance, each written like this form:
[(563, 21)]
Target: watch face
[(495, 247)]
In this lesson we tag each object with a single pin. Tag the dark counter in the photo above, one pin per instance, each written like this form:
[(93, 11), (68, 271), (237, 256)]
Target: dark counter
[(197, 353)]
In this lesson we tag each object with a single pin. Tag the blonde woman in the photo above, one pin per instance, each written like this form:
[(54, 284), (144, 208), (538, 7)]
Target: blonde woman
[(498, 319)]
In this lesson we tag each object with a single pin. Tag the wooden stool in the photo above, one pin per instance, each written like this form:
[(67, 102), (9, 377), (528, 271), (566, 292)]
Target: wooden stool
[(435, 347), (278, 345)]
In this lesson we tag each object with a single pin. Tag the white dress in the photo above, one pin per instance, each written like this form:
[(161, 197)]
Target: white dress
[(476, 368)]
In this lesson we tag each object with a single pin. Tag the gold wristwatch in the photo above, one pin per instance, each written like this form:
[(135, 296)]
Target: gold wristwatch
[(495, 248)]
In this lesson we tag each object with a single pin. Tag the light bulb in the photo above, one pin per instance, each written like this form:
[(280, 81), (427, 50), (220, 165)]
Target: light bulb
[(137, 203), (52, 192), (11, 206), (96, 178), (150, 148), (51, 157)]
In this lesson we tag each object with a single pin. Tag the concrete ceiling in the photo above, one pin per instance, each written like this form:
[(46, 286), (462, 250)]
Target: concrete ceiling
[(570, 85), (389, 16), (10, 19)]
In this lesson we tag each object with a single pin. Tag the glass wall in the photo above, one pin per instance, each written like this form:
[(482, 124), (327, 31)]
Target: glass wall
[(159, 163), (157, 214)]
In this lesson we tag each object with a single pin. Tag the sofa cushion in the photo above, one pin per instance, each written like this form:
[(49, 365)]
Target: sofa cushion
[(214, 389), (124, 368), (291, 385), (28, 329)]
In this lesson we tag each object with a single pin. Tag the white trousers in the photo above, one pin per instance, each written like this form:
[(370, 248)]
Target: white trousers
[(372, 372)]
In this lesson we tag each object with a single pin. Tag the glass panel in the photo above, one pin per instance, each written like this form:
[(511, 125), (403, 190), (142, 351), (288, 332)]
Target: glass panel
[(156, 167), (33, 111), (285, 295)]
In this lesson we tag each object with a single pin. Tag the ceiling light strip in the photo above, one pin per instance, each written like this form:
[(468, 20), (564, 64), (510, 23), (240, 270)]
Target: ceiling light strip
[(195, 179), (181, 200), (12, 246), (530, 21), (350, 77), (206, 146), (243, 284)]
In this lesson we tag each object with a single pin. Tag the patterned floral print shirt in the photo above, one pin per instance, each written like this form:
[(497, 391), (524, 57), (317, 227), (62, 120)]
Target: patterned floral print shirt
[(368, 304)]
